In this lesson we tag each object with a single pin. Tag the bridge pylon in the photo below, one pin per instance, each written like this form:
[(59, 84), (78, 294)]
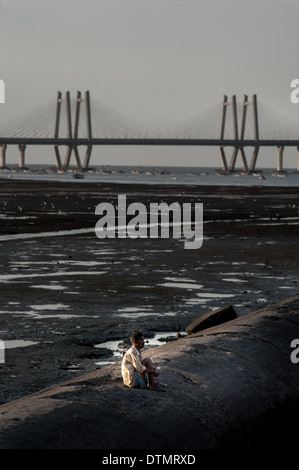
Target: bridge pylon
[(239, 148), (22, 148), (72, 132), (3, 148)]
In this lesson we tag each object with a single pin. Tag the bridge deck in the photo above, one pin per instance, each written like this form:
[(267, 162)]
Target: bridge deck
[(144, 141)]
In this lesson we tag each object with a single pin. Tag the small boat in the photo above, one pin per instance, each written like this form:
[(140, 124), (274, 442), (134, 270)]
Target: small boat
[(78, 176)]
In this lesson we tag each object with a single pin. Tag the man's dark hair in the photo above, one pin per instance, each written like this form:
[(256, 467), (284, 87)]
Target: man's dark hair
[(135, 336)]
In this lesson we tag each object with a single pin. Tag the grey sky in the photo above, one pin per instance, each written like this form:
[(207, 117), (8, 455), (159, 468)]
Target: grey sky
[(158, 61)]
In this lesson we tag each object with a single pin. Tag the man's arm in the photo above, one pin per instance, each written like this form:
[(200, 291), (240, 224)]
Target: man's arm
[(152, 371), (149, 369)]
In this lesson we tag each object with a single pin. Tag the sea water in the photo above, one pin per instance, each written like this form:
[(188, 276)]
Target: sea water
[(160, 175)]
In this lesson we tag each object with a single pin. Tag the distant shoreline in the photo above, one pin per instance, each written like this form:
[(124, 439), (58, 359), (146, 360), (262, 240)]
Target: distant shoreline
[(153, 175)]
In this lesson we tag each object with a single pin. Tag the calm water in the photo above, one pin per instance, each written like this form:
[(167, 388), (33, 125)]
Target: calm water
[(160, 175)]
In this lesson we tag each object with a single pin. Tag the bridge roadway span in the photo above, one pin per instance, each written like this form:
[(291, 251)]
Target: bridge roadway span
[(143, 141)]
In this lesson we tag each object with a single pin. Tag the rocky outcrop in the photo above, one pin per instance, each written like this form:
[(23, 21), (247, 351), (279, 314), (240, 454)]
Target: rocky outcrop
[(214, 318), (229, 386)]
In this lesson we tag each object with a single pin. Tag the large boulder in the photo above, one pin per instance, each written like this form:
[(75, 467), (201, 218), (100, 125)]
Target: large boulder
[(214, 318)]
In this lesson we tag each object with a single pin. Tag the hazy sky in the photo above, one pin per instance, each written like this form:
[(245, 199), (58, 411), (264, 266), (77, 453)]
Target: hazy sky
[(158, 61)]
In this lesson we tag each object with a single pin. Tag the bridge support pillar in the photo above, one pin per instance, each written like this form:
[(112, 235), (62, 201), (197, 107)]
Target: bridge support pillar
[(280, 149), (3, 155), (57, 120), (298, 160), (57, 158), (234, 158), (87, 157), (73, 134), (89, 131), (254, 158), (223, 159), (22, 148), (222, 132), (239, 147)]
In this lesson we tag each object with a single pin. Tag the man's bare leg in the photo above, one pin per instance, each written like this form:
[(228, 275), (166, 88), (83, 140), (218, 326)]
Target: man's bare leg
[(151, 375)]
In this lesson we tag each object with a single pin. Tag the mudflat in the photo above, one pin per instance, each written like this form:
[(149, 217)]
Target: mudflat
[(65, 295)]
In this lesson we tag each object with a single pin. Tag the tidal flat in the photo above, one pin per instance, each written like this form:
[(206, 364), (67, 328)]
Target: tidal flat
[(65, 293)]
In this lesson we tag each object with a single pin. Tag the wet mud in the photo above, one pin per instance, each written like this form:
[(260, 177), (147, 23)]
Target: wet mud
[(70, 294)]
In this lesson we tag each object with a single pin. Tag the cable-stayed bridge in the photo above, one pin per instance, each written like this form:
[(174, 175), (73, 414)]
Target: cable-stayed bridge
[(82, 121)]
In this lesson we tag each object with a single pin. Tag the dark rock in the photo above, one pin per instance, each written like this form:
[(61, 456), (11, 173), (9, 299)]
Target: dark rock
[(83, 342), (97, 353), (89, 342), (126, 343), (167, 339), (214, 318), (68, 366)]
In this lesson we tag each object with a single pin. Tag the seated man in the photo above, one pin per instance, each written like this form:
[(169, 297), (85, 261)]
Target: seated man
[(136, 371)]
